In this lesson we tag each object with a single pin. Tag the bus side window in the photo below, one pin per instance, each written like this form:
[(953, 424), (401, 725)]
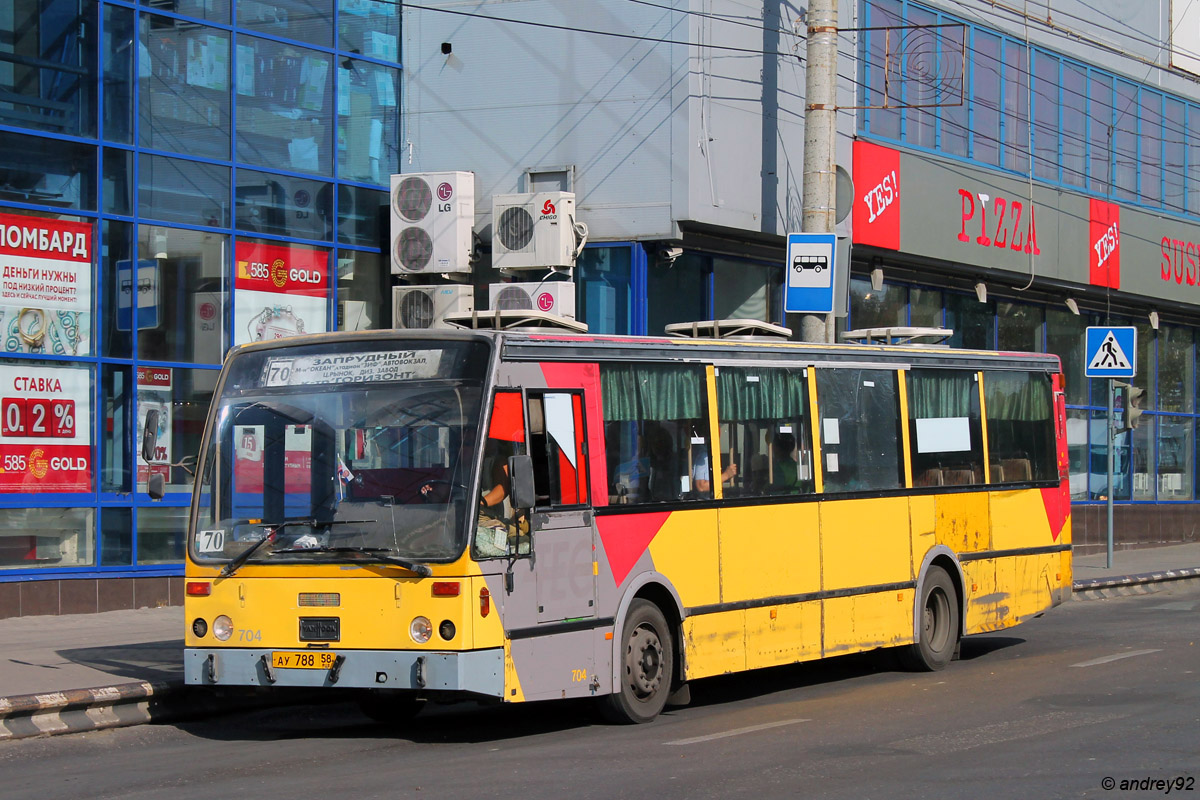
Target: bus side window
[(944, 427), (761, 413), (860, 429), (655, 416), (1020, 425), (557, 448)]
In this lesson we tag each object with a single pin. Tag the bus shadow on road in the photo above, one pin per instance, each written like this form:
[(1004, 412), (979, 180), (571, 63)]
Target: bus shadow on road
[(469, 722)]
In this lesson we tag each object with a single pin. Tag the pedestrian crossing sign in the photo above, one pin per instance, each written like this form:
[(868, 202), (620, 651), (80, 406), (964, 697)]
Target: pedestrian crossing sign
[(1111, 352)]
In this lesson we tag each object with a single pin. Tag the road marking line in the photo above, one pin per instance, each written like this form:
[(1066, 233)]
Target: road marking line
[(736, 732), (1117, 657)]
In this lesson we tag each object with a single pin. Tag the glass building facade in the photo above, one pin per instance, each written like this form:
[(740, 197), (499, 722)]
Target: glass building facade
[(220, 170)]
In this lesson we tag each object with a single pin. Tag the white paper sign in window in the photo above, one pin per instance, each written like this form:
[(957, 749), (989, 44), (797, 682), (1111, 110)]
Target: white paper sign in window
[(945, 435)]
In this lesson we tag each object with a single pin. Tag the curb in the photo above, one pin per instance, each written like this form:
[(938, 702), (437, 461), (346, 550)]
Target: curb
[(1128, 585), (78, 710)]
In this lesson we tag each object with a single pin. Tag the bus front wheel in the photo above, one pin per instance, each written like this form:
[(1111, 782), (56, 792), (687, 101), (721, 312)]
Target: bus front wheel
[(646, 666), (937, 624)]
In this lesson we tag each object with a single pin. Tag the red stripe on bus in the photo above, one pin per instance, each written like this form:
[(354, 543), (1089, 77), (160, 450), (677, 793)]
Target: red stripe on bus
[(626, 537)]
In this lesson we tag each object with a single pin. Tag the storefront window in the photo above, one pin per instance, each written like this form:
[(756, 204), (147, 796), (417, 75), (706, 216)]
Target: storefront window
[(1020, 327), (46, 294), (925, 307), (604, 275), (364, 296), (49, 172), (116, 537), (174, 190), (45, 427), (118, 74), (370, 27), (1176, 457), (181, 292), (282, 290), (117, 184), (47, 537), (1065, 334), (362, 217), (1175, 382), (1144, 464), (308, 21), (368, 113), (184, 93), (1079, 453), (743, 290), (285, 106), (1147, 364), (117, 314), (161, 534), (172, 404), (210, 10), (886, 308), (973, 322), (685, 282), (116, 440), (284, 205), (47, 55)]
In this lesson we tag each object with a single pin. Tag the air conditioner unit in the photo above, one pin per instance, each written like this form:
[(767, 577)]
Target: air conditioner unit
[(553, 297), (415, 307), (532, 231), (433, 214)]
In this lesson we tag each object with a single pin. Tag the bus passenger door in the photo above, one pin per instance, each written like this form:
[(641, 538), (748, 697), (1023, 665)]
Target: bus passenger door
[(562, 519)]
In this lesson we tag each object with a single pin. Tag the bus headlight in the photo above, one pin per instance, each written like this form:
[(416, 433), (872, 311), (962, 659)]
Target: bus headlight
[(222, 628), (420, 630)]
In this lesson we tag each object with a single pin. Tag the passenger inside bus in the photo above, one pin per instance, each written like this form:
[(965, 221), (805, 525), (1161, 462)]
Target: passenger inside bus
[(785, 470), (702, 470)]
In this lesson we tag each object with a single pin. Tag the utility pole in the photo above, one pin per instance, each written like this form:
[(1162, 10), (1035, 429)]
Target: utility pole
[(820, 132)]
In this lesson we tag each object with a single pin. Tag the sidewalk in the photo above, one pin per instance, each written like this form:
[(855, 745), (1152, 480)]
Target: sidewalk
[(82, 672)]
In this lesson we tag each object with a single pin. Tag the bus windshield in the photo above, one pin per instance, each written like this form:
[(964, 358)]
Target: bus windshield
[(341, 456)]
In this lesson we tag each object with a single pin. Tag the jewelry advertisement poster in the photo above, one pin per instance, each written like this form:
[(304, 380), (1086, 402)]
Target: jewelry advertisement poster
[(154, 402), (281, 290), (45, 429), (45, 285)]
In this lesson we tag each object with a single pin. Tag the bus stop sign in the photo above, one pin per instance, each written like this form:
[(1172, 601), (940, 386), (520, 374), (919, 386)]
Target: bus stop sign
[(1110, 352), (811, 259)]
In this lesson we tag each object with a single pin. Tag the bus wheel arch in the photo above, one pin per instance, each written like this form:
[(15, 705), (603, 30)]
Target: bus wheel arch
[(651, 604), (937, 620)]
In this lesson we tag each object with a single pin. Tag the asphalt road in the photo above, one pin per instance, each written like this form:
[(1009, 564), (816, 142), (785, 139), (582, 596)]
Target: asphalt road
[(1094, 690)]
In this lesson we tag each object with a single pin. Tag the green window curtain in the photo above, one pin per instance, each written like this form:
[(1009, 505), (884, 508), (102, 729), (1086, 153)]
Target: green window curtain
[(760, 394), (633, 392), (939, 393), (1018, 396)]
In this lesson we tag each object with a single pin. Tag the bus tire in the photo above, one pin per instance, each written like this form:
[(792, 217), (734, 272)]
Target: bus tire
[(390, 707), (938, 627), (645, 667)]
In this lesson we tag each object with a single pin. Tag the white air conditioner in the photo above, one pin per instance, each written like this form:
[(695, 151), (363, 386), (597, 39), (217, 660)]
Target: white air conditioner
[(416, 307), (553, 297), (532, 231), (433, 214)]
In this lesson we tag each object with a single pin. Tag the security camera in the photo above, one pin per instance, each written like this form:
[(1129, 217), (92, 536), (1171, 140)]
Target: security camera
[(670, 253)]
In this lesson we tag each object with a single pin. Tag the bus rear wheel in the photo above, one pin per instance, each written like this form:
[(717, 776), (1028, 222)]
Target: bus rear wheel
[(646, 666), (937, 624)]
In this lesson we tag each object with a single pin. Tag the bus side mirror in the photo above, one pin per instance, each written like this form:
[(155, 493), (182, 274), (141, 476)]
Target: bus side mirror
[(150, 435), (155, 486), (520, 474)]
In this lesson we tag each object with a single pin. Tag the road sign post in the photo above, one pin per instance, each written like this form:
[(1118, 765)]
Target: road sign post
[(1110, 352)]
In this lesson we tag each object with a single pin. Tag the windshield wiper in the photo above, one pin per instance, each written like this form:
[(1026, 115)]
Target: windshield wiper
[(379, 553), (274, 528)]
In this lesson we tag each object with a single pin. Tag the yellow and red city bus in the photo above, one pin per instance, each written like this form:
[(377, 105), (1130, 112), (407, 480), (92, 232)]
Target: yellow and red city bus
[(676, 509)]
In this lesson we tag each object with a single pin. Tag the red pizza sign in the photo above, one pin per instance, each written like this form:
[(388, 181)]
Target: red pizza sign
[(45, 439)]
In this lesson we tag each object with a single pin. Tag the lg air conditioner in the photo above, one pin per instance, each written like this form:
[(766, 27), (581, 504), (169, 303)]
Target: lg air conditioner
[(432, 214), (415, 307), (532, 231), (553, 297)]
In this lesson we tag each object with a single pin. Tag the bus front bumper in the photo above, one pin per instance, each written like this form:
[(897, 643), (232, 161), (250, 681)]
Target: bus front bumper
[(476, 671)]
